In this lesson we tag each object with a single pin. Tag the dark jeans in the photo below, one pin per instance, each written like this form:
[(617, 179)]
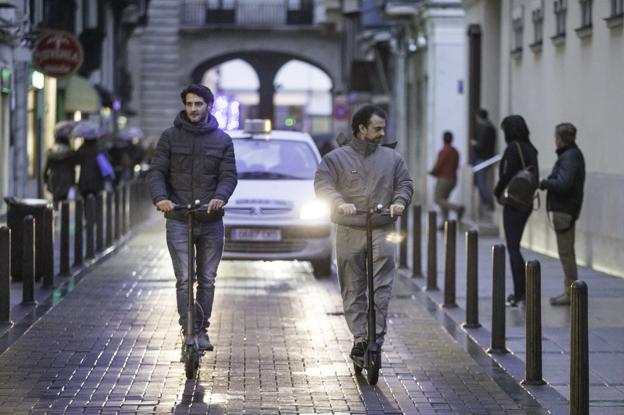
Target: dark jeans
[(514, 222), (481, 181), (208, 240)]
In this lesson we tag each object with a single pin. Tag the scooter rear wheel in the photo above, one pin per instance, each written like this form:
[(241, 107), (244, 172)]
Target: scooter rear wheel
[(191, 365), (372, 372)]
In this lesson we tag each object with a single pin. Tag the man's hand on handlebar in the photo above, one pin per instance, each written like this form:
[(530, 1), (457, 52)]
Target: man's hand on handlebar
[(165, 205), (347, 209), (396, 209), (215, 204)]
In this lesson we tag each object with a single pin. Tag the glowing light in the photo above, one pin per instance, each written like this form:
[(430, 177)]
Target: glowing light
[(227, 112), (77, 116), (395, 237), (315, 209), (38, 80), (289, 122)]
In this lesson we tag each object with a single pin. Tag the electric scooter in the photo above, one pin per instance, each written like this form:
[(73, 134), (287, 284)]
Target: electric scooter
[(191, 353), (371, 361)]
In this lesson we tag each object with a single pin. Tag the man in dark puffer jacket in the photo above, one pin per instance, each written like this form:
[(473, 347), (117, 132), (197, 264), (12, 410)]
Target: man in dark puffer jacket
[(564, 200), (194, 160)]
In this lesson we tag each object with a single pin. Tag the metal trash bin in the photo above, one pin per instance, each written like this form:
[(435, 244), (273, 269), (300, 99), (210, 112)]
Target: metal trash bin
[(18, 209)]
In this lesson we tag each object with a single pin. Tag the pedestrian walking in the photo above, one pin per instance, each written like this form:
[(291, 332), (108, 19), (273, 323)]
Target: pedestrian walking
[(564, 199), (358, 176), (59, 173), (92, 160), (483, 148), (194, 160), (519, 153), (445, 171)]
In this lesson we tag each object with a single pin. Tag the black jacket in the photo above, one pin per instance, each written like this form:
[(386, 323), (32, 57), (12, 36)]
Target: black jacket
[(59, 173), (90, 181), (193, 162), (511, 163), (565, 182), (485, 137)]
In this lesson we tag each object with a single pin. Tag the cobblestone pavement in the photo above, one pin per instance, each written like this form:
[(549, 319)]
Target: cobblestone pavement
[(111, 346)]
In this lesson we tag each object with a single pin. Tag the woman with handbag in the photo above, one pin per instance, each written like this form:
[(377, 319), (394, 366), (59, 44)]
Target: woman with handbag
[(519, 159)]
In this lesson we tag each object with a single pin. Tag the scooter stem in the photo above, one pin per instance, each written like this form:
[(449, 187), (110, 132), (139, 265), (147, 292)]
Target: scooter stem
[(190, 318), (372, 335)]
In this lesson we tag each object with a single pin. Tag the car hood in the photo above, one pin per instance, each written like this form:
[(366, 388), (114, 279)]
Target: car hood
[(273, 197)]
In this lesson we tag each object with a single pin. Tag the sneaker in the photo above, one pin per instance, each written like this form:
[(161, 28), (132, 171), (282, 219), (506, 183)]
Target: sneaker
[(203, 341), (358, 349), (514, 301), (562, 299), (460, 213)]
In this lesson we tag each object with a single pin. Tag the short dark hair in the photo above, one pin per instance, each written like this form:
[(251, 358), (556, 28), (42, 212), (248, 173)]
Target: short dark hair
[(566, 131), (199, 90), (447, 136), (482, 114), (363, 116)]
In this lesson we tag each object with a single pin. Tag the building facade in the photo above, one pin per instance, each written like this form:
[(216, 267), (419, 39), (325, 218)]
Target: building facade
[(551, 62)]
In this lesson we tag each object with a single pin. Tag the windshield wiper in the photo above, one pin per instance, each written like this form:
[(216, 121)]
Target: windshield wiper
[(267, 175)]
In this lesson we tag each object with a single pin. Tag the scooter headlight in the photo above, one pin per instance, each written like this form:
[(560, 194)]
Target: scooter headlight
[(314, 210)]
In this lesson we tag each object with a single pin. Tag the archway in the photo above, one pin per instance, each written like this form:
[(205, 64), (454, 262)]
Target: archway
[(266, 65)]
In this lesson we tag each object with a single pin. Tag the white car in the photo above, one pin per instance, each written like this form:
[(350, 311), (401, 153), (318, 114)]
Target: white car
[(273, 214)]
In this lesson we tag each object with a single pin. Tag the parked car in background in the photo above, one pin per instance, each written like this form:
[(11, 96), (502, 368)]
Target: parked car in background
[(273, 213)]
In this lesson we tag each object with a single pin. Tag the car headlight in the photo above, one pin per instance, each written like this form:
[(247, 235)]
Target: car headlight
[(315, 209)]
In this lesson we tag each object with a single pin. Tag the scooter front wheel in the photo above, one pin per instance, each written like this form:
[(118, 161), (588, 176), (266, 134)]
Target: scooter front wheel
[(357, 369), (372, 372), (191, 365)]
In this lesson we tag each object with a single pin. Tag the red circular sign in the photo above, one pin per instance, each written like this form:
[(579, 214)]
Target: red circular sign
[(57, 54)]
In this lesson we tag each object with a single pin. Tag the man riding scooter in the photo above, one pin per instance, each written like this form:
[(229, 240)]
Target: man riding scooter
[(354, 178)]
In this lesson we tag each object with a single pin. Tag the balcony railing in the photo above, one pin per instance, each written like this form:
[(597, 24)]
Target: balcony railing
[(247, 12)]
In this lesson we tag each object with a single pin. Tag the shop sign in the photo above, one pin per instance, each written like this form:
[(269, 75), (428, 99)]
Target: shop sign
[(57, 54)]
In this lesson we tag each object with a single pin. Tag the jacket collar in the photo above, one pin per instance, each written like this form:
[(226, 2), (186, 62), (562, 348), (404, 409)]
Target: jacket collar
[(565, 148), (363, 147), (208, 126)]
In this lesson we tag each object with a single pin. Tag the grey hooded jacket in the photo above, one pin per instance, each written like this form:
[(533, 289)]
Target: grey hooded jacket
[(365, 174), (193, 162)]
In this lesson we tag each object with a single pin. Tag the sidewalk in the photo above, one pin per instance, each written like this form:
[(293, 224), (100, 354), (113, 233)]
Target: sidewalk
[(606, 324), (112, 346)]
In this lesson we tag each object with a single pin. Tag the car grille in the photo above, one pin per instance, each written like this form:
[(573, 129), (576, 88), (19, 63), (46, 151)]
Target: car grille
[(264, 247)]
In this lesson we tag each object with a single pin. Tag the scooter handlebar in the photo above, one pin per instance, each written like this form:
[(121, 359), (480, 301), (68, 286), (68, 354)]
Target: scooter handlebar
[(379, 210)]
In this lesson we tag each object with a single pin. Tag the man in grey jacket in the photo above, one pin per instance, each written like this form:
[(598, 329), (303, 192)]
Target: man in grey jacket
[(194, 160), (360, 175)]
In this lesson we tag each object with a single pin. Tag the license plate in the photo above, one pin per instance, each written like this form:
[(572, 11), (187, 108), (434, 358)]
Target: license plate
[(243, 234)]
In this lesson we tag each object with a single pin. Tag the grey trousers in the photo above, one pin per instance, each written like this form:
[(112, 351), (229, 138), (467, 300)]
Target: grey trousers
[(564, 228), (208, 240), (351, 260)]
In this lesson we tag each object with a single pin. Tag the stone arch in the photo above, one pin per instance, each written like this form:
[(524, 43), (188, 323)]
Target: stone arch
[(266, 64)]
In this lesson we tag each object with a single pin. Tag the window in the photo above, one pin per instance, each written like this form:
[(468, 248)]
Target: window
[(561, 9), (517, 24), (617, 7), (274, 160), (538, 25), (586, 12)]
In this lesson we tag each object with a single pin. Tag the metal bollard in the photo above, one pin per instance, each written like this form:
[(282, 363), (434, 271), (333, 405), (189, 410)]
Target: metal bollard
[(99, 222), (450, 243), (472, 280), (416, 242), (533, 373), (579, 349), (109, 219), (47, 256), (117, 213), (432, 252), (28, 261), (498, 300), (403, 244), (90, 226), (125, 211), (5, 275), (78, 229), (64, 238)]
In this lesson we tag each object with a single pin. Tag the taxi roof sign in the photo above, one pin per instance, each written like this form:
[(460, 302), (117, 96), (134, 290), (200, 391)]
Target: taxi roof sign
[(258, 126)]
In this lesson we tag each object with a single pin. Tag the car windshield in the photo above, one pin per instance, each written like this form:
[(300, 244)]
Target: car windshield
[(274, 160)]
